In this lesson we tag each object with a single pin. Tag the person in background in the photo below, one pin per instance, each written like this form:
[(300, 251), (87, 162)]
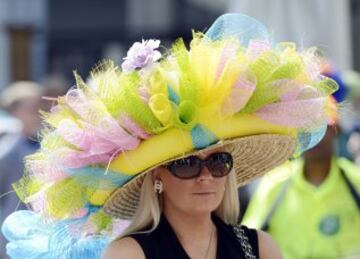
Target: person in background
[(55, 85), (311, 206), (21, 101), (328, 69), (350, 124), (10, 131)]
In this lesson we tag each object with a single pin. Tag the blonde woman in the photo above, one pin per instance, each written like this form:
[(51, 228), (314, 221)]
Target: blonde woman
[(187, 210)]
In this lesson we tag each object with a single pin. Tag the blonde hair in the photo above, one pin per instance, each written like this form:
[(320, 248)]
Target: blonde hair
[(150, 206)]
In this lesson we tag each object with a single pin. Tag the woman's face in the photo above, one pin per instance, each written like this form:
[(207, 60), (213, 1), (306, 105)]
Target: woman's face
[(199, 195)]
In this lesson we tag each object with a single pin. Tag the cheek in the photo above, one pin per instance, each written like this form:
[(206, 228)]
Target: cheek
[(220, 187), (177, 193), (177, 189)]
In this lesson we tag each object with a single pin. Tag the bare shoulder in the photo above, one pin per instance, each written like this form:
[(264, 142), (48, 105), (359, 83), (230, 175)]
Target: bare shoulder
[(268, 247), (125, 248)]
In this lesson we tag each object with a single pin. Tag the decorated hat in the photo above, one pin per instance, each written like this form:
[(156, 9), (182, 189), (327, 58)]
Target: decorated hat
[(233, 87)]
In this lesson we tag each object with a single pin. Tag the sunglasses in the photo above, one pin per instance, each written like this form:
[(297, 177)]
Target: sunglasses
[(219, 164)]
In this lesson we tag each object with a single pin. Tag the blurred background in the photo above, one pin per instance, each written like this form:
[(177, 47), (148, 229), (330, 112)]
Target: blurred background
[(43, 41), (45, 37)]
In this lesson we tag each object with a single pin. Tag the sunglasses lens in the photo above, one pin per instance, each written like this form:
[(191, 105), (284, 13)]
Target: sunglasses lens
[(220, 164), (185, 168)]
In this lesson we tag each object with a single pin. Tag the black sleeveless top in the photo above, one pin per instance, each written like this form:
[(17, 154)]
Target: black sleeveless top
[(162, 243)]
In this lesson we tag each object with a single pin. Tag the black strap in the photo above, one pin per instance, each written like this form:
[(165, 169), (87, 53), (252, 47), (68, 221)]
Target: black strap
[(244, 242), (351, 188), (279, 198)]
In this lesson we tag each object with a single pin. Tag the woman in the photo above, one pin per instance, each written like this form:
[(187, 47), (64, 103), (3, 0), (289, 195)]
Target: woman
[(192, 125), (187, 229)]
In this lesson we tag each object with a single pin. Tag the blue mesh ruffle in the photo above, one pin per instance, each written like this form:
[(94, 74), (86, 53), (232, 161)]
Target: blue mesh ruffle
[(32, 238), (240, 26)]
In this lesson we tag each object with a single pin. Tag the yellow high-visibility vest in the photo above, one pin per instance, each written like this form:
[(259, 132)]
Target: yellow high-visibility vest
[(309, 221)]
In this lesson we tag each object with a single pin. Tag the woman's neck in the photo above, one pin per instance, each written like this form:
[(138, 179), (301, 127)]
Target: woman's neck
[(196, 233)]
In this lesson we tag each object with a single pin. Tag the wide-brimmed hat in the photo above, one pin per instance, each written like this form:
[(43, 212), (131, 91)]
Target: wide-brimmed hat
[(253, 156), (260, 138), (232, 88)]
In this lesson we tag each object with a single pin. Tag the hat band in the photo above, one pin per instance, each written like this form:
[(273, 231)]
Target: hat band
[(177, 142), (202, 137)]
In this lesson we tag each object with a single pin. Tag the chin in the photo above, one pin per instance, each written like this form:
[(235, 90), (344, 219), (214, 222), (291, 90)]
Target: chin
[(205, 208), (203, 211)]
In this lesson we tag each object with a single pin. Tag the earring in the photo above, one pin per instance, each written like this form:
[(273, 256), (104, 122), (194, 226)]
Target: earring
[(158, 186)]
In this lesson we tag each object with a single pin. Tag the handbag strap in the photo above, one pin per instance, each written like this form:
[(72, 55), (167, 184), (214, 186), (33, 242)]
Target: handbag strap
[(266, 224), (244, 242), (354, 193)]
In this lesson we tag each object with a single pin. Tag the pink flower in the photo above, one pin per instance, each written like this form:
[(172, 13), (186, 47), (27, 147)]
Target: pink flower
[(141, 55)]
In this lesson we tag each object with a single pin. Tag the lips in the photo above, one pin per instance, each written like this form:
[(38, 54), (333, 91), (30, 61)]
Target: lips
[(204, 193)]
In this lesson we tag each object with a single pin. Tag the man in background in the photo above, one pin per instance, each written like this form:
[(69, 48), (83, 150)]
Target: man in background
[(311, 206), (21, 101)]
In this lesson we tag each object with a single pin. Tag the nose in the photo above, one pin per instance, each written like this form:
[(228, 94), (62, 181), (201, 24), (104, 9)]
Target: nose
[(205, 174)]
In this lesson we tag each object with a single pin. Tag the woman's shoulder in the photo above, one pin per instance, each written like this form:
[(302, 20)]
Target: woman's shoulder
[(261, 243), (267, 246), (125, 248)]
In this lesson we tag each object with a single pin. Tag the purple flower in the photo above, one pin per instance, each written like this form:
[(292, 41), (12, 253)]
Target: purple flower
[(141, 55)]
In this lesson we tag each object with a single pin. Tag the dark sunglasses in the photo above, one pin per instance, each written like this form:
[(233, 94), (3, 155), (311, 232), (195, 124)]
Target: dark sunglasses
[(219, 164)]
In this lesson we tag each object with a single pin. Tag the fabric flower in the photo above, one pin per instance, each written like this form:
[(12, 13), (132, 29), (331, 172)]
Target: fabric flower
[(141, 55)]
